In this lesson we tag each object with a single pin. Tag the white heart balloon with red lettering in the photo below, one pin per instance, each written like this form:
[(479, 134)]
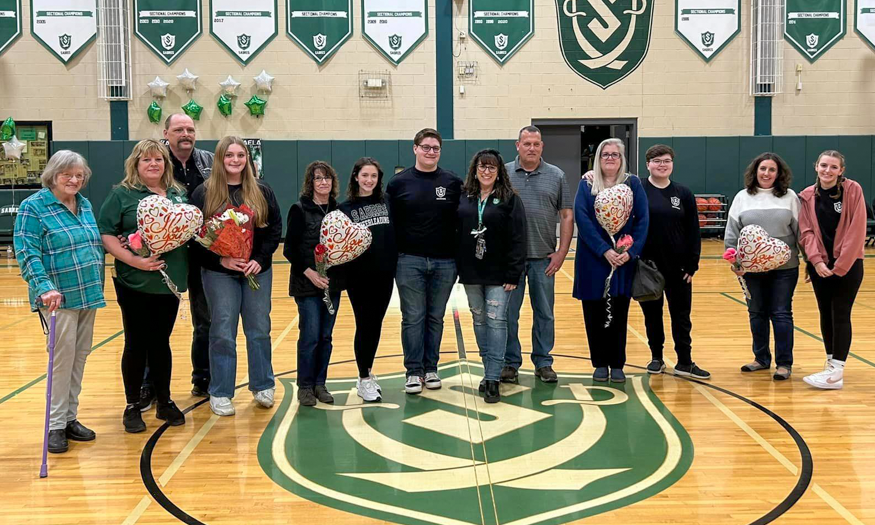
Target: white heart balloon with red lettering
[(760, 252), (166, 226), (344, 240), (613, 206)]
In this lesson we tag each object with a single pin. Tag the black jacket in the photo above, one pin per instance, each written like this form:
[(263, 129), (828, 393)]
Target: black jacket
[(265, 241), (302, 236), (192, 179), (505, 236)]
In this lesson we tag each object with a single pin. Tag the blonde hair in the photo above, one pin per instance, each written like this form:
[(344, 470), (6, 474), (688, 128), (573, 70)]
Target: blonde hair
[(598, 180), (132, 180), (217, 198)]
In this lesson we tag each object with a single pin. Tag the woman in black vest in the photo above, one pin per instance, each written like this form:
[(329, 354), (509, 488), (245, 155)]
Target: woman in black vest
[(315, 323)]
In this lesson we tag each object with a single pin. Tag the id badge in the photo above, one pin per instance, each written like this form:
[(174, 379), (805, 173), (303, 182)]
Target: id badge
[(480, 248)]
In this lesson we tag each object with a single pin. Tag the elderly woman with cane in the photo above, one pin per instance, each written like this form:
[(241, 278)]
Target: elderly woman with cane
[(60, 253)]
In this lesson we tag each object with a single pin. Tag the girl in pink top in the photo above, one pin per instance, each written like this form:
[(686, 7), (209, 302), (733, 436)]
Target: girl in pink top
[(832, 233)]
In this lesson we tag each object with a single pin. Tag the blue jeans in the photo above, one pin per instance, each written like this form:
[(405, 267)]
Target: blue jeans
[(424, 287), (541, 296), (315, 325), (230, 298), (489, 310), (771, 298)]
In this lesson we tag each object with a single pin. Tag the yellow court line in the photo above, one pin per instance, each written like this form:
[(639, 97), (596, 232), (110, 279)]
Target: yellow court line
[(184, 454), (824, 495)]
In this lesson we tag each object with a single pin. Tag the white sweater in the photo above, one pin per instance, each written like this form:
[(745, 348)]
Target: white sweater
[(778, 216)]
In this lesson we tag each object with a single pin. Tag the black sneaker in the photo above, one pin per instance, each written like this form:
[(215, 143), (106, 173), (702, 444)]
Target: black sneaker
[(306, 397), (546, 374), (133, 420), (200, 390), (656, 367), (482, 387), (76, 431), (691, 370), (323, 395), (509, 374), (169, 412), (492, 393), (147, 397), (57, 441)]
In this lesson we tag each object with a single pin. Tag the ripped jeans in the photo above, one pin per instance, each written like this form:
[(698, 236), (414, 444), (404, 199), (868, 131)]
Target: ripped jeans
[(489, 310)]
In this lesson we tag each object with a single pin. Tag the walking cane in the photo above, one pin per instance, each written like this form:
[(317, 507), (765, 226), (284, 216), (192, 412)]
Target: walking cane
[(44, 469)]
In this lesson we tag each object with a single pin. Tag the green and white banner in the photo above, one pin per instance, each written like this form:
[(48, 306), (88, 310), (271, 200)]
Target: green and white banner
[(64, 27), (319, 27), (395, 27), (243, 27), (707, 25), (501, 27), (10, 22), (167, 27), (864, 21), (813, 26)]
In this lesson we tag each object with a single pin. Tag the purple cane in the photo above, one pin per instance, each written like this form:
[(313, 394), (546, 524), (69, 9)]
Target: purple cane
[(44, 469)]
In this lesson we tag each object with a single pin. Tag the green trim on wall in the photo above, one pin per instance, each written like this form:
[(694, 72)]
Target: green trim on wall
[(762, 116), (444, 69), (118, 120)]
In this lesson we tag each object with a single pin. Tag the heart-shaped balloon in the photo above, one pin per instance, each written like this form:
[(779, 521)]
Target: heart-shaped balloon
[(344, 239), (166, 226), (613, 206), (759, 252)]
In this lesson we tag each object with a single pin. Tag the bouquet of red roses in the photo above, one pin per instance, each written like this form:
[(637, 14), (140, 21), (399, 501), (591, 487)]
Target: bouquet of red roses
[(230, 234)]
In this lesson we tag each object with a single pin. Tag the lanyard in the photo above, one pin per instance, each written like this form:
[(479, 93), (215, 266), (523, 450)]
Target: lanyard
[(481, 206)]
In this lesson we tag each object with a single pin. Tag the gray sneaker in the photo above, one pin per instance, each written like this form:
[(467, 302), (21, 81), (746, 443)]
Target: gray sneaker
[(323, 395), (753, 367), (306, 397), (691, 370), (546, 374), (509, 374), (655, 367)]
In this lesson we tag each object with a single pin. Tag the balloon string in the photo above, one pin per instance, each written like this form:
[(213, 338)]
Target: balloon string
[(743, 287), (170, 284), (609, 314), (327, 300)]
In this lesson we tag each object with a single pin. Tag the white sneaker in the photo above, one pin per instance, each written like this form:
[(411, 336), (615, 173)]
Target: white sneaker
[(432, 381), (264, 397), (413, 385), (221, 406), (367, 390), (374, 379), (829, 379)]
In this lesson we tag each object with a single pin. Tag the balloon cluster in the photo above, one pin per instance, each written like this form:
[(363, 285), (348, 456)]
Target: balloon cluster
[(225, 103), (12, 147)]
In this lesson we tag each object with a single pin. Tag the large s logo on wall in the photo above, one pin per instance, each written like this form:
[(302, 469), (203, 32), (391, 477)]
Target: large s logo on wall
[(603, 40)]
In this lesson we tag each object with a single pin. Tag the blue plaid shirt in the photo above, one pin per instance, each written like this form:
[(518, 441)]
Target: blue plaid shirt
[(57, 250)]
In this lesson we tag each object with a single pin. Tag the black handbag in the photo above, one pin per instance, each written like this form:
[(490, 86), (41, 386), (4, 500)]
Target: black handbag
[(648, 284)]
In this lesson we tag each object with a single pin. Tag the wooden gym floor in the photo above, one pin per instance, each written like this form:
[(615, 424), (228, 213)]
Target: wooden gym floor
[(659, 449)]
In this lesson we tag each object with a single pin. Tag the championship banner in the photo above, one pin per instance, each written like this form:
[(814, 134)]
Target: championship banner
[(864, 21), (254, 147), (243, 28), (707, 25), (10, 22), (167, 27), (501, 27), (64, 27), (604, 42), (319, 27), (813, 26), (395, 27)]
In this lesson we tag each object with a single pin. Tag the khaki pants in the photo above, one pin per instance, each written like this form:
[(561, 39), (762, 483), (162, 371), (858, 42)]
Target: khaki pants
[(74, 331)]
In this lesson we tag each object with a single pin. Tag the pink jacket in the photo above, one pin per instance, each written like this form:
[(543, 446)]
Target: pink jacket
[(850, 234)]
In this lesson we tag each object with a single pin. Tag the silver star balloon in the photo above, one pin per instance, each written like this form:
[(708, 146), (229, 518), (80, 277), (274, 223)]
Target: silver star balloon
[(13, 147), (158, 88), (263, 82), (187, 80), (229, 86)]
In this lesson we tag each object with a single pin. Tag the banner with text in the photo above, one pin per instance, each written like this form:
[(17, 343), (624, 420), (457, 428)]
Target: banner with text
[(10, 22), (64, 27), (395, 27), (813, 26), (707, 25), (864, 21), (501, 27), (319, 27), (243, 28)]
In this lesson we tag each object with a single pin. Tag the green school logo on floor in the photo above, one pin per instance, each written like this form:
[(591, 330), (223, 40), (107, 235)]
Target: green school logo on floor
[(544, 454)]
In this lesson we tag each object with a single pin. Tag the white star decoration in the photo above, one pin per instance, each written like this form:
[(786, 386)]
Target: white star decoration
[(158, 88), (229, 86), (187, 80), (263, 81), (12, 148)]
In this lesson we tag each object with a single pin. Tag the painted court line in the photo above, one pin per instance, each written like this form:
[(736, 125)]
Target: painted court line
[(824, 495), (186, 451)]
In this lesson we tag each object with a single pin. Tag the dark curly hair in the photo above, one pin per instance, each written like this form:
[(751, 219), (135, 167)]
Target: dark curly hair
[(782, 181), (352, 190), (503, 188), (310, 173)]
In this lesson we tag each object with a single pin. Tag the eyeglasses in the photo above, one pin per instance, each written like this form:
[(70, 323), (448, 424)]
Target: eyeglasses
[(610, 155), (661, 162), (488, 168), (67, 176), (436, 149), (320, 178)]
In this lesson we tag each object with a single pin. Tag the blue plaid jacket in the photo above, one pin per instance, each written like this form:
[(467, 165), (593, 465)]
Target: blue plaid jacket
[(57, 250)]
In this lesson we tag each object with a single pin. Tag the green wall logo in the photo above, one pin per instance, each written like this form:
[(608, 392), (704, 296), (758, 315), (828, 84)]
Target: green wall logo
[(65, 41), (243, 41), (544, 454), (607, 41), (813, 26), (395, 41)]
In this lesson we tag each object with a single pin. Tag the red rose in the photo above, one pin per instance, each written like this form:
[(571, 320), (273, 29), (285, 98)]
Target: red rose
[(320, 249)]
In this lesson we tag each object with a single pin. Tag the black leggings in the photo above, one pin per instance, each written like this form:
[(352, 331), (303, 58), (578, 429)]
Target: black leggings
[(835, 298), (607, 346), (369, 297), (148, 322), (679, 294)]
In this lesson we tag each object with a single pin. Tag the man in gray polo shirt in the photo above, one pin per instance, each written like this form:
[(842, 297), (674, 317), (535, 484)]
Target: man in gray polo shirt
[(547, 200)]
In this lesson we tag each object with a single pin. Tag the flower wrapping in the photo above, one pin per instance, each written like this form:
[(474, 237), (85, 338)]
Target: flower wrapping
[(137, 244), (620, 246), (319, 254), (731, 256), (230, 234)]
